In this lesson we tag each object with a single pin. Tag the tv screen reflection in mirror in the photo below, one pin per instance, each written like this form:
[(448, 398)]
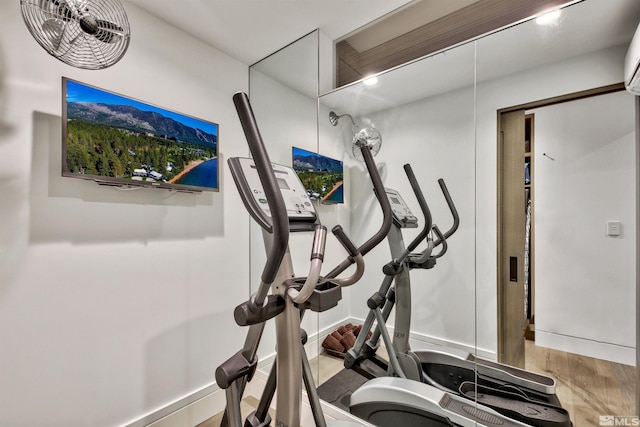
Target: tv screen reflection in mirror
[(321, 176), (116, 140)]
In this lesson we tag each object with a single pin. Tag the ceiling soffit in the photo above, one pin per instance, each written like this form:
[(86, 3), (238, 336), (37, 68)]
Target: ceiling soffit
[(363, 53)]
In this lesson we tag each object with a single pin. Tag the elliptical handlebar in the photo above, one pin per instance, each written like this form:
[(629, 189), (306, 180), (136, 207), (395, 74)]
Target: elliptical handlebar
[(354, 256), (393, 266), (441, 237), (428, 220), (317, 256), (344, 240), (387, 215), (454, 213), (279, 217)]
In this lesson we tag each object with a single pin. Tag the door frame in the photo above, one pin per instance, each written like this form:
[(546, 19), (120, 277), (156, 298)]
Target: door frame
[(501, 280)]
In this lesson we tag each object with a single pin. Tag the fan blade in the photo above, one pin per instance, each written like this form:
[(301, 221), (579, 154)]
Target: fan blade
[(70, 5), (57, 8), (96, 50), (108, 32), (54, 31), (71, 45), (83, 7)]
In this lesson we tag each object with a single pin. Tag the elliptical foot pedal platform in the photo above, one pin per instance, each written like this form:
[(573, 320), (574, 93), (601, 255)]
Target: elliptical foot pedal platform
[(516, 406)]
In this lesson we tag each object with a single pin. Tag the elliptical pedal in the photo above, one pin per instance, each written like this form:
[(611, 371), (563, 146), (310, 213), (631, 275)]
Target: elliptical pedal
[(517, 406)]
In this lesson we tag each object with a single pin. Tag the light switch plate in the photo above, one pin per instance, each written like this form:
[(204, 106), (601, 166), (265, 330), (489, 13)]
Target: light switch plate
[(614, 228)]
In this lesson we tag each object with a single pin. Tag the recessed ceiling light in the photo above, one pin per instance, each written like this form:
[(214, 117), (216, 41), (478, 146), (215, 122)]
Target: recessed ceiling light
[(370, 81), (548, 17)]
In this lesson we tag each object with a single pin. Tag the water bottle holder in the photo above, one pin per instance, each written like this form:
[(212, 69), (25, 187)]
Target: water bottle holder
[(324, 297)]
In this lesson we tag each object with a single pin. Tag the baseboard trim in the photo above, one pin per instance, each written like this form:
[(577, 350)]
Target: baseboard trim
[(416, 340), (203, 409), (599, 350), (188, 411), (199, 406)]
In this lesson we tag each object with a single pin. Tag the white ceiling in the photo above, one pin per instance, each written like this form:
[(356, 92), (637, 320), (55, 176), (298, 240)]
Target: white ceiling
[(249, 30)]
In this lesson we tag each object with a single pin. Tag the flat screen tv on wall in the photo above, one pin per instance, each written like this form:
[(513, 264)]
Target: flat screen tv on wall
[(116, 140), (321, 176)]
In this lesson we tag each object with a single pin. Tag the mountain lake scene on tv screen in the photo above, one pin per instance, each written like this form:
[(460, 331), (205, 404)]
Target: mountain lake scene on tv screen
[(116, 137), (321, 176)]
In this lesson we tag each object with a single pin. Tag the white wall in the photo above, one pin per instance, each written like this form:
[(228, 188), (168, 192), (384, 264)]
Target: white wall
[(435, 136), (585, 280), (113, 303)]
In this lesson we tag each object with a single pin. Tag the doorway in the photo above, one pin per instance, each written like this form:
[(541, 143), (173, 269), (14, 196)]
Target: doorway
[(583, 189), (516, 287)]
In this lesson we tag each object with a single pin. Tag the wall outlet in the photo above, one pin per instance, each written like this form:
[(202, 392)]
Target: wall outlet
[(614, 228)]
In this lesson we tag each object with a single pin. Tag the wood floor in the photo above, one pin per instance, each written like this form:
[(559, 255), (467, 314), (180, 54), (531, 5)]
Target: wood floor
[(587, 387), (248, 405), (323, 367)]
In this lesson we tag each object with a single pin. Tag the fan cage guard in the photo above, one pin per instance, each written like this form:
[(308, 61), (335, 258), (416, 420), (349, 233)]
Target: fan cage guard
[(82, 33)]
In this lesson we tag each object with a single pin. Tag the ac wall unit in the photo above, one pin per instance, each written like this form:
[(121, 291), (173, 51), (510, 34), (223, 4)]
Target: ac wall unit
[(632, 65)]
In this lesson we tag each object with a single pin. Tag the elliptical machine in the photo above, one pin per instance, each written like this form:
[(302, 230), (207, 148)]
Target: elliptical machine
[(276, 199), (518, 394)]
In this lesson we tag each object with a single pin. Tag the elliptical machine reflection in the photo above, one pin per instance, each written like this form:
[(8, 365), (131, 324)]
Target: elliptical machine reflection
[(518, 394)]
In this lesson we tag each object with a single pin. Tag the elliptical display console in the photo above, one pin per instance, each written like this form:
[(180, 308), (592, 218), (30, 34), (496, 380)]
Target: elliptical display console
[(402, 215), (299, 207)]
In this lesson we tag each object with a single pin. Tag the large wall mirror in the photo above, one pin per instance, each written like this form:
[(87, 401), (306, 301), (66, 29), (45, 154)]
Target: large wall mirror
[(424, 112), (560, 131), (535, 139), (284, 95), (283, 90)]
